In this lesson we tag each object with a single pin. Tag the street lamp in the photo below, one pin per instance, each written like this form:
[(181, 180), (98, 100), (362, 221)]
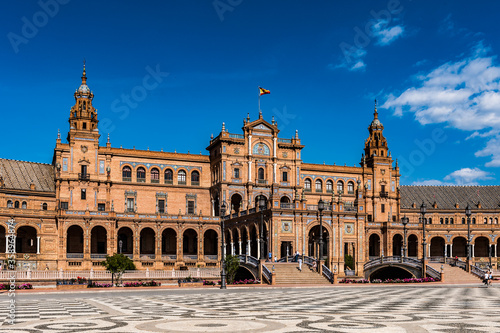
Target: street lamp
[(468, 214), (405, 223), (321, 207), (120, 245), (423, 210), (262, 205), (223, 208)]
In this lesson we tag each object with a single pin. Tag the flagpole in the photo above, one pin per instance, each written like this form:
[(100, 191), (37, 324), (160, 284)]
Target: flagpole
[(259, 100)]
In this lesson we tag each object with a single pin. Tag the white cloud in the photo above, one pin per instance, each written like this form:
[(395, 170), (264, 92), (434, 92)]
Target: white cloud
[(386, 35), (464, 94), (380, 31), (464, 176)]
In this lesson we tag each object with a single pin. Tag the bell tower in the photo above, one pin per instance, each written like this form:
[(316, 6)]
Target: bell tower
[(83, 116), (376, 144)]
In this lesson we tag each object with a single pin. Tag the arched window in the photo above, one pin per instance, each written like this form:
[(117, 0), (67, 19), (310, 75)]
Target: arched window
[(141, 175), (318, 185), (329, 186), (24, 205), (44, 206), (9, 204), (441, 221), (451, 220), (496, 220), (340, 187), (491, 220), (350, 188), (446, 221), (195, 178), (260, 175), (16, 204), (473, 220), (126, 174), (181, 177), (429, 220), (169, 176), (463, 220), (307, 185), (485, 220), (155, 175)]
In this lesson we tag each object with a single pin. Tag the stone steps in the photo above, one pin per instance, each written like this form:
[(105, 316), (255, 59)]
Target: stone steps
[(455, 274), (288, 273)]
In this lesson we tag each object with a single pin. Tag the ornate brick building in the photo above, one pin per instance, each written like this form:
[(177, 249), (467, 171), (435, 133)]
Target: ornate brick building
[(162, 209)]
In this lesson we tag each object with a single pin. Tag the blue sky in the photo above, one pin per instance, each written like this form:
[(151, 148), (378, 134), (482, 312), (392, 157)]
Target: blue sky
[(432, 66)]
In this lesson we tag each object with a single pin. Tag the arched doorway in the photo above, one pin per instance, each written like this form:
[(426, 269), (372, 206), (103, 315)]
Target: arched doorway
[(236, 200), (374, 245), (313, 249), (169, 243), (26, 240), (459, 247), (412, 246), (481, 247), (397, 245), (253, 241), (126, 236), (74, 241), (98, 239), (285, 202), (244, 241), (437, 247), (236, 242), (210, 241), (147, 243), (189, 243)]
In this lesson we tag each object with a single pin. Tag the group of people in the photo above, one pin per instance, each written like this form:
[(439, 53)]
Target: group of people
[(487, 278)]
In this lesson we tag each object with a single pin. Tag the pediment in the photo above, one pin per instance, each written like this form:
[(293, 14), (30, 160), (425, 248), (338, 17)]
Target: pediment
[(262, 127)]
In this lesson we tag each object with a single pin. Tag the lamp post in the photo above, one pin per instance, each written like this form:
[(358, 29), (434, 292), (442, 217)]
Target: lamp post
[(223, 208), (321, 207), (423, 210), (262, 205), (405, 223), (468, 213), (120, 245)]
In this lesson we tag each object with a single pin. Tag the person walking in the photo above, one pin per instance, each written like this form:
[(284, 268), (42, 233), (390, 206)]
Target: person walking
[(300, 263)]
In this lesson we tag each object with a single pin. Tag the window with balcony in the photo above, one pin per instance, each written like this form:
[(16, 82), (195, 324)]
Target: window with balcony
[(101, 207), (284, 176), (261, 176), (190, 207), (195, 178), (329, 186), (161, 206), (169, 176), (318, 185), (181, 177), (83, 174), (64, 205), (141, 175), (130, 205), (155, 175), (236, 173), (127, 174), (350, 188), (340, 186), (307, 185)]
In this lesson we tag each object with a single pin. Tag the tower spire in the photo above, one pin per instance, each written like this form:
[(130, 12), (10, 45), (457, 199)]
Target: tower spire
[(375, 112), (84, 74)]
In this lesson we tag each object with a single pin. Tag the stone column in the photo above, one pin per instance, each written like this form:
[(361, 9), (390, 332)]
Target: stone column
[(38, 245), (240, 250), (232, 248), (258, 247), (451, 250)]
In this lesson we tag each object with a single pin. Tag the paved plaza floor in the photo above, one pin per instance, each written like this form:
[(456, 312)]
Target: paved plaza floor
[(406, 308)]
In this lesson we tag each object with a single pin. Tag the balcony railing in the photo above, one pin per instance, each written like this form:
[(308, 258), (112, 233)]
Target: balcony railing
[(211, 257), (384, 194), (287, 205), (236, 136), (193, 257), (169, 257), (261, 181), (307, 190), (195, 183), (285, 140), (84, 176), (155, 181), (74, 255), (98, 256), (127, 179), (141, 180), (147, 256), (181, 182), (169, 182)]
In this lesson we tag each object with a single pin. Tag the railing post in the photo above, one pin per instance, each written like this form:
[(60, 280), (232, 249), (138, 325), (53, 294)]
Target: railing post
[(91, 273), (61, 275), (28, 274)]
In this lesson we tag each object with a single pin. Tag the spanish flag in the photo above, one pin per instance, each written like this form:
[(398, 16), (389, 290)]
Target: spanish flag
[(263, 91)]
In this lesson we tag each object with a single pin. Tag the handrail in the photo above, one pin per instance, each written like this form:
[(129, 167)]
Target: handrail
[(392, 259), (327, 273), (309, 260), (252, 261), (267, 274), (433, 272), (479, 272)]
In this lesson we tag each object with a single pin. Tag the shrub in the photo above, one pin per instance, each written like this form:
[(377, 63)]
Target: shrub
[(100, 285), (151, 283), (208, 283), (247, 281)]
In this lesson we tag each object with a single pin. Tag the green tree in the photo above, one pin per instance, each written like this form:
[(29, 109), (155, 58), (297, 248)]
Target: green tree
[(349, 261), (232, 264), (117, 264)]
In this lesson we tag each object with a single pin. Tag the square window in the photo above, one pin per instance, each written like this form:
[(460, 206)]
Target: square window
[(190, 207), (285, 176), (382, 208), (161, 206), (64, 205), (130, 205), (101, 207), (84, 194)]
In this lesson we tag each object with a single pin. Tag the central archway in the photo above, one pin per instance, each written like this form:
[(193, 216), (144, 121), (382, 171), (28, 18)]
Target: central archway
[(374, 246), (437, 247), (313, 242)]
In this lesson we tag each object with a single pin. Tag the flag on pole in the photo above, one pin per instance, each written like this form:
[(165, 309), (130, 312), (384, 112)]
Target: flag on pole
[(263, 91)]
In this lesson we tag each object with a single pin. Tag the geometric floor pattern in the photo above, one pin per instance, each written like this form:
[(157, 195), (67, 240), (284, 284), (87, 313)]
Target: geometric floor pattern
[(322, 309)]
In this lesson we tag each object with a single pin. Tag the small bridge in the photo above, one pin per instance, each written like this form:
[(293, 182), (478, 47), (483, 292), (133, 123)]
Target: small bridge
[(410, 265), (251, 264)]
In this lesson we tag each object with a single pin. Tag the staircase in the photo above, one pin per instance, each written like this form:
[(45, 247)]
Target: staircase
[(455, 275), (288, 273)]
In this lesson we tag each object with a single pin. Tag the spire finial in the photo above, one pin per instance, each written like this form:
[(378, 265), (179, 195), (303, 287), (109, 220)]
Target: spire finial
[(248, 116), (108, 139), (84, 74), (58, 134), (223, 126), (375, 113), (296, 134), (260, 114), (272, 122)]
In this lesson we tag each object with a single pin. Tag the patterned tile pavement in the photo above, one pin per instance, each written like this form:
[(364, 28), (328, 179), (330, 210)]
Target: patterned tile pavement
[(330, 309)]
